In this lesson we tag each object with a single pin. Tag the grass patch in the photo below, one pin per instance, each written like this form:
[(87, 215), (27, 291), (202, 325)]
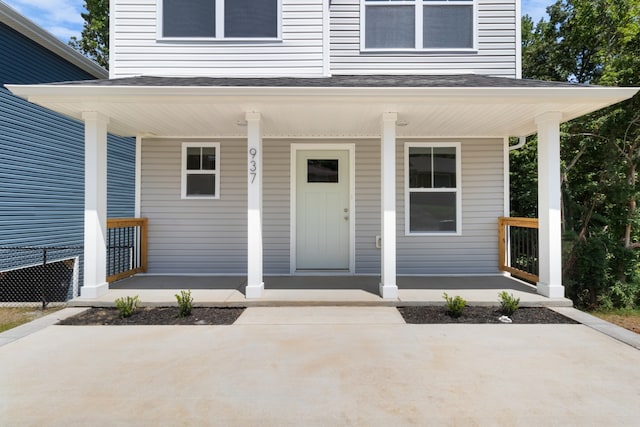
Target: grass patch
[(10, 317), (628, 319)]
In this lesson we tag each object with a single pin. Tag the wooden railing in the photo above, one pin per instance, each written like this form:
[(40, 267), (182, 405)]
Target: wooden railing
[(518, 247), (126, 247)]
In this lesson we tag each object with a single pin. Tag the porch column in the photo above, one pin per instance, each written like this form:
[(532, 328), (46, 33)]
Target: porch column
[(95, 205), (255, 283), (549, 200), (388, 286)]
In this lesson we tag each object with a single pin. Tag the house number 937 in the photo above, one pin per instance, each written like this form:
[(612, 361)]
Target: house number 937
[(253, 167)]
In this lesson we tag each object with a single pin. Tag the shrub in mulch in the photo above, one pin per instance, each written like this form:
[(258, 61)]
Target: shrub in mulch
[(471, 314), (156, 316)]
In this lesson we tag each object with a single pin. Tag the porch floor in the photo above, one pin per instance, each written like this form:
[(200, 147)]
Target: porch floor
[(321, 290)]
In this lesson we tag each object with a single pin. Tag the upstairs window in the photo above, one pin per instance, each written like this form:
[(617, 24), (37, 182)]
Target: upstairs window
[(417, 24), (220, 19)]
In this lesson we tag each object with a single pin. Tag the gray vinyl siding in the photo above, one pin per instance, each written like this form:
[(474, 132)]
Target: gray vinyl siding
[(136, 50), (194, 236), (209, 236), (476, 250), (496, 40)]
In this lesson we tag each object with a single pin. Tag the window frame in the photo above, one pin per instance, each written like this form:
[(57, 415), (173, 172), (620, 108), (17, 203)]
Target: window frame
[(418, 16), (457, 189), (184, 171), (219, 27)]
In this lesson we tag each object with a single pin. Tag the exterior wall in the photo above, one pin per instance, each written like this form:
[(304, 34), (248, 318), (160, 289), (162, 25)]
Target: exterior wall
[(209, 236), (496, 56), (476, 250), (135, 48), (42, 155), (194, 236)]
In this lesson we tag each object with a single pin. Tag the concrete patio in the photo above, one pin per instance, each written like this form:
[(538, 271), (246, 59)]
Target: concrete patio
[(322, 290), (319, 366)]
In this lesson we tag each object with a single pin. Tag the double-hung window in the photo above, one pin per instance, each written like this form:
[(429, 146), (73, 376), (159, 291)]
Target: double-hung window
[(220, 19), (200, 170), (417, 24), (432, 189)]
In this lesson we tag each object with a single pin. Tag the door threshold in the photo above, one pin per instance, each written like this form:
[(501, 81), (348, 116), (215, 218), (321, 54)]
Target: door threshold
[(323, 273)]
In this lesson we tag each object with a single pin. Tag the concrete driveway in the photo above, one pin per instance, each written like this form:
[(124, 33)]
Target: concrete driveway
[(319, 366)]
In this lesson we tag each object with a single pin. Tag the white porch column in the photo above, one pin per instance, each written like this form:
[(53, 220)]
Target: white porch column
[(388, 286), (549, 200), (95, 205), (255, 283)]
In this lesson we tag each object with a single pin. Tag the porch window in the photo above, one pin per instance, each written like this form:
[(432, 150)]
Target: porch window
[(200, 170), (220, 19), (433, 194), (417, 24)]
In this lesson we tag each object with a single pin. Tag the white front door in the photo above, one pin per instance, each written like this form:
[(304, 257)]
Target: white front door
[(322, 210)]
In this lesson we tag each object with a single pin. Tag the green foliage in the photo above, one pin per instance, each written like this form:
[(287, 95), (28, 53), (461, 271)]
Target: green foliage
[(590, 42), (455, 305), (94, 40), (185, 303), (127, 305), (508, 303)]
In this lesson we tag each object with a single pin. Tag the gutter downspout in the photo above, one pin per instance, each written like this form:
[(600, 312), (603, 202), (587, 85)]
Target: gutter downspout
[(520, 144)]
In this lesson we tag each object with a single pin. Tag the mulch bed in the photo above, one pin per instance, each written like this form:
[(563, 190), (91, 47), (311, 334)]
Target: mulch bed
[(156, 316), (227, 316), (438, 314)]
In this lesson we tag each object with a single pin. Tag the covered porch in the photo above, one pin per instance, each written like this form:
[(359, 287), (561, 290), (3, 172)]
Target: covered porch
[(321, 290), (389, 110)]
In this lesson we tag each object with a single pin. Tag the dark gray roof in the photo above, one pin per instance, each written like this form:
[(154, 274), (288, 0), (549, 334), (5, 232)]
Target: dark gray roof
[(372, 81)]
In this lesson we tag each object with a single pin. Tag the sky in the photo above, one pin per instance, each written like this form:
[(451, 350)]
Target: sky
[(62, 17)]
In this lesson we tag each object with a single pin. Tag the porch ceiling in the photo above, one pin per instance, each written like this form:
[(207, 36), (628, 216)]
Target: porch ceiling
[(302, 112)]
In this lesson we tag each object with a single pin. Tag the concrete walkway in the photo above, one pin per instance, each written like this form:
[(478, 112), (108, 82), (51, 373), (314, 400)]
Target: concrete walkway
[(319, 366)]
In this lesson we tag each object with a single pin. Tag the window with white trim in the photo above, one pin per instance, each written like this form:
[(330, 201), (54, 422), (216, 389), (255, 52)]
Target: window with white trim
[(220, 19), (433, 193), (200, 170), (417, 24)]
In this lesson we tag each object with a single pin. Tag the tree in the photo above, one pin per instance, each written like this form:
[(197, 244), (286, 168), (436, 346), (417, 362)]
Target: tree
[(94, 40), (594, 42)]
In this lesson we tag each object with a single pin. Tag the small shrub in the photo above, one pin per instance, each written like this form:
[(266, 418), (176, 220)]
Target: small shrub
[(455, 305), (185, 303), (508, 303), (127, 305)]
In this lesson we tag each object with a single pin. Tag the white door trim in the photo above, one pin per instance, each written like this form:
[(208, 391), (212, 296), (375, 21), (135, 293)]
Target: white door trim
[(352, 200)]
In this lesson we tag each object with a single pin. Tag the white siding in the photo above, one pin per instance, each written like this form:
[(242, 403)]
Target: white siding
[(209, 236), (135, 48), (476, 250), (496, 55)]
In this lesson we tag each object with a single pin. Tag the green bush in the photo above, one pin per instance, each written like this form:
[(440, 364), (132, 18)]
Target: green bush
[(127, 305), (185, 303), (508, 303), (455, 305)]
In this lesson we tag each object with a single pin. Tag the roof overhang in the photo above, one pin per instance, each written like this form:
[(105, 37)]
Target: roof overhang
[(298, 112)]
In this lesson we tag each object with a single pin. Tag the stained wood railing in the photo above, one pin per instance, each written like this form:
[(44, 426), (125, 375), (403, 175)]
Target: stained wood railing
[(126, 247), (518, 247)]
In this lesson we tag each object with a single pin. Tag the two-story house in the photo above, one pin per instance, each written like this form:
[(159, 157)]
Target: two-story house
[(42, 161), (361, 137)]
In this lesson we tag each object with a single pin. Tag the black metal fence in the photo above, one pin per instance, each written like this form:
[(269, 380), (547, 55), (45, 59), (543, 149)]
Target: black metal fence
[(40, 275)]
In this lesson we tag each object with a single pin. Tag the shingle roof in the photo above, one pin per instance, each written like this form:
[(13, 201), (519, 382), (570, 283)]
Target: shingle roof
[(368, 81)]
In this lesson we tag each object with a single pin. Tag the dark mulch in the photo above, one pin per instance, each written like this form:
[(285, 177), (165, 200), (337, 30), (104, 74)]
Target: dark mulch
[(438, 314), (156, 316)]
